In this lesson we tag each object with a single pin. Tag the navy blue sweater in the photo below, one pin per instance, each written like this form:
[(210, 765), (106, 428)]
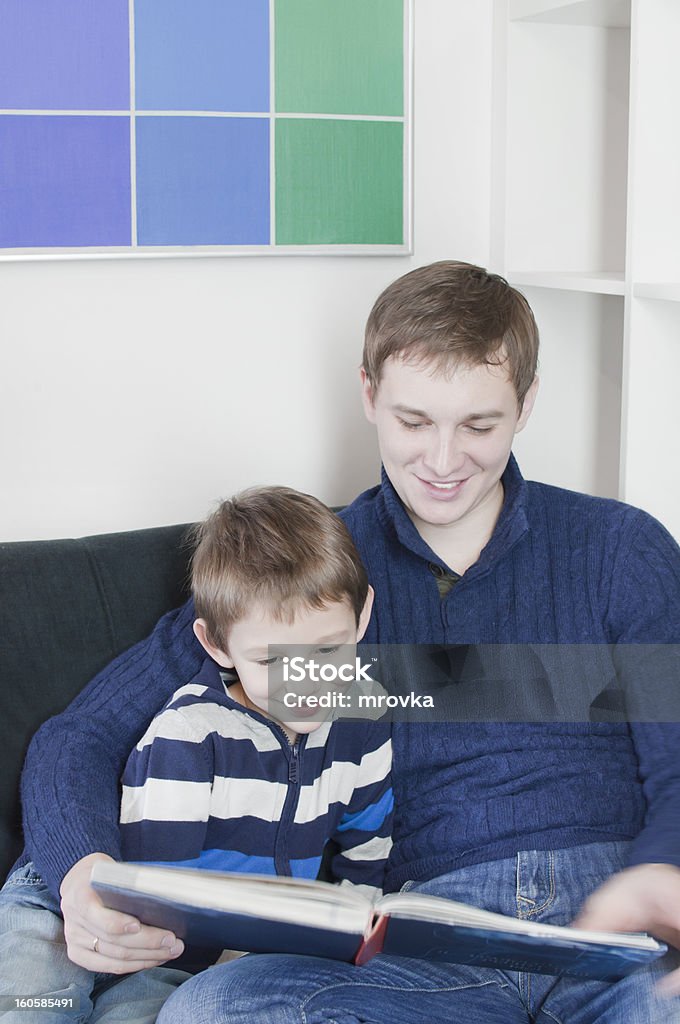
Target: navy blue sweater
[(560, 567)]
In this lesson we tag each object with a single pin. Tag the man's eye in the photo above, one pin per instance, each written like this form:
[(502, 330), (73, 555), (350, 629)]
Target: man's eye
[(479, 430), (265, 662), (328, 650), (408, 425)]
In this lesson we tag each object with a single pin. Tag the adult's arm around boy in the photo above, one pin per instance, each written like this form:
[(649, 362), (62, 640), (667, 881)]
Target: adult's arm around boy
[(70, 783)]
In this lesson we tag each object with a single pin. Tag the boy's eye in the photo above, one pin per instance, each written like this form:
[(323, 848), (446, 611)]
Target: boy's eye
[(265, 662), (479, 430), (328, 650)]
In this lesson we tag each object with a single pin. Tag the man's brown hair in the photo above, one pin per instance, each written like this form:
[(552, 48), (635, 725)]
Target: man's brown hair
[(448, 313), (273, 547)]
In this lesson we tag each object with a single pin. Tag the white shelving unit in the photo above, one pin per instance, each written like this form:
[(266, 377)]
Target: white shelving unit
[(669, 290), (586, 220), (595, 282)]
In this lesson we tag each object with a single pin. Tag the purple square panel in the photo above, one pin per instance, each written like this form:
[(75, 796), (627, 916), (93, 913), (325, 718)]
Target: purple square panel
[(64, 181), (64, 55)]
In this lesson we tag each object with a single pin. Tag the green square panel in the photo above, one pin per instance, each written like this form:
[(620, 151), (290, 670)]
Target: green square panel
[(340, 57), (339, 182)]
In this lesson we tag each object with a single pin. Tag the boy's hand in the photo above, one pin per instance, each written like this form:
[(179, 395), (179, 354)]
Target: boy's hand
[(645, 898), (123, 944)]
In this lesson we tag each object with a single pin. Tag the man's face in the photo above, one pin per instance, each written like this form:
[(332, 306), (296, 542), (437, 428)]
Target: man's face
[(445, 439)]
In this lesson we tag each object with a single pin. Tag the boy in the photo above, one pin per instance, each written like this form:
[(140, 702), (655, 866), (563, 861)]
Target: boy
[(226, 777)]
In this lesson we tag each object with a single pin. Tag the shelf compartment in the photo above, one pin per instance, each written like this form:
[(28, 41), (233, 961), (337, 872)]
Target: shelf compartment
[(566, 148), (580, 368), (597, 13)]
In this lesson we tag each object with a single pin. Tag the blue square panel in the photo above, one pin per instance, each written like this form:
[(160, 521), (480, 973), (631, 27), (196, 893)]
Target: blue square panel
[(64, 181), (202, 180), (64, 55), (202, 55)]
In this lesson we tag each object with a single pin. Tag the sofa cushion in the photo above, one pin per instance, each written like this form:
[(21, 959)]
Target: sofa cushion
[(68, 608)]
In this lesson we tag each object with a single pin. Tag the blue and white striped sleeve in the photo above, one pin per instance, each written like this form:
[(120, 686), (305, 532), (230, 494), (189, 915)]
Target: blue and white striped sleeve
[(166, 791), (364, 835)]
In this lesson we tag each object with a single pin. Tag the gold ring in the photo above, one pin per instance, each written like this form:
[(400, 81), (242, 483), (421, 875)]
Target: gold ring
[(95, 944)]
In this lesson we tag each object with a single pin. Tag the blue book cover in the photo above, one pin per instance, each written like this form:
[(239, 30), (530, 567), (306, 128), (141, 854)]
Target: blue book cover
[(212, 911), (205, 930), (512, 951)]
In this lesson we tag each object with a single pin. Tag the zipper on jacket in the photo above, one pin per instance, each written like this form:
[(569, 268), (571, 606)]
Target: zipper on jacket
[(293, 763), (281, 850)]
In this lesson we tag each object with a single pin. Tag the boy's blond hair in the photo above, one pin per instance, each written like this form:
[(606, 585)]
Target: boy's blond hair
[(275, 548)]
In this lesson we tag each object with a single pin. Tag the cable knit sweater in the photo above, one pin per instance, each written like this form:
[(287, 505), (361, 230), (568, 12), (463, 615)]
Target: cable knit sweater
[(560, 568)]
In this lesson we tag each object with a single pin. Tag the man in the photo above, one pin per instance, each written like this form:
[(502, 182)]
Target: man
[(528, 819)]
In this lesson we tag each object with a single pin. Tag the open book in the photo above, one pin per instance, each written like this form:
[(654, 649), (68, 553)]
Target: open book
[(264, 914)]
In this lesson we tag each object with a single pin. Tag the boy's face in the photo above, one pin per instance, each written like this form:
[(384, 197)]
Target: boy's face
[(445, 439), (259, 642)]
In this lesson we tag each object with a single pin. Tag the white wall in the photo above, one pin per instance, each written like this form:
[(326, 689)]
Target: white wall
[(135, 392)]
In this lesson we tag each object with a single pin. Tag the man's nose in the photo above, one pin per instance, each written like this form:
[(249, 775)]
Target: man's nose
[(445, 455)]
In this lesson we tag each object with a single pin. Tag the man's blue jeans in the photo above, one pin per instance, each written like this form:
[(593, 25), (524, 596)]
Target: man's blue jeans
[(547, 886), (34, 963)]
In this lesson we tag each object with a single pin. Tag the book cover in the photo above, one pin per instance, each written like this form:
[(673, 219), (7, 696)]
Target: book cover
[(264, 914)]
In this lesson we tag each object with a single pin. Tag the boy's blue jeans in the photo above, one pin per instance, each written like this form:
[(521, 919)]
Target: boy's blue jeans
[(33, 962), (547, 886)]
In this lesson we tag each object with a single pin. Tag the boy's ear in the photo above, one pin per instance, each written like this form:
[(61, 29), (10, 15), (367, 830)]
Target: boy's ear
[(365, 613), (201, 634), (367, 396), (527, 405)]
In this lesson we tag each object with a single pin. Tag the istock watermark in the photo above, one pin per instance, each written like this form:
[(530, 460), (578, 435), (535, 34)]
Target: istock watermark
[(296, 670), (335, 682), (586, 683)]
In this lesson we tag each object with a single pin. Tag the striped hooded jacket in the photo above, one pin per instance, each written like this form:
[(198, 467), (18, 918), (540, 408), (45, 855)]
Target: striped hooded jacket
[(214, 785)]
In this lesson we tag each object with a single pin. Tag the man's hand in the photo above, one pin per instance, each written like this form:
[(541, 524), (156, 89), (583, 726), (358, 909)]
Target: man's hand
[(123, 944), (645, 898)]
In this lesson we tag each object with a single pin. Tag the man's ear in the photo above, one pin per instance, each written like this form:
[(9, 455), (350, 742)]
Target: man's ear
[(201, 634), (365, 613), (527, 405), (367, 396)]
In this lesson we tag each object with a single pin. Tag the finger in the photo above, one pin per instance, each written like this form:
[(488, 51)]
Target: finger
[(150, 946), (130, 933), (146, 943), (606, 915), (114, 958), (144, 938), (148, 955), (96, 919), (99, 920)]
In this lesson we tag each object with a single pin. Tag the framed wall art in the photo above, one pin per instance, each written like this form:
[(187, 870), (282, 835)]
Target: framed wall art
[(176, 127)]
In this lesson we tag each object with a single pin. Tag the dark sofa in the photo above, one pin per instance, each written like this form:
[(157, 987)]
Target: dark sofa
[(68, 608)]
